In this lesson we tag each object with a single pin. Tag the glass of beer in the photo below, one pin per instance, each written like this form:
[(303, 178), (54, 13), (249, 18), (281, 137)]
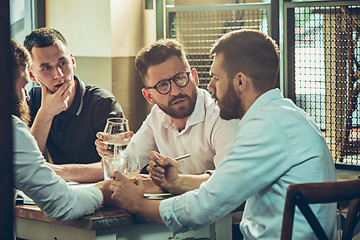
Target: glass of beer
[(126, 161)]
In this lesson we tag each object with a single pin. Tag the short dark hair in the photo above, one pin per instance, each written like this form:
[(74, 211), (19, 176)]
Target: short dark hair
[(20, 57), (251, 52), (157, 53), (43, 37)]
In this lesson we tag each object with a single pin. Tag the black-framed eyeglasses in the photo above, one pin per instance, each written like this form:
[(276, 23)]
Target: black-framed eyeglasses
[(181, 79)]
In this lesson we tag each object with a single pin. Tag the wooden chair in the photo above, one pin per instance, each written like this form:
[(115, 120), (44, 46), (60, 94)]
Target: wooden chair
[(302, 195)]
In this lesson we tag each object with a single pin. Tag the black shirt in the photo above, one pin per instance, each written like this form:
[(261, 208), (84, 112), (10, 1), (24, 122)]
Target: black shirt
[(73, 132)]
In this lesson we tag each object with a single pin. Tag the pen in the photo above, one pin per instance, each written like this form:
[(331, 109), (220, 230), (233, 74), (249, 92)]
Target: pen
[(177, 158)]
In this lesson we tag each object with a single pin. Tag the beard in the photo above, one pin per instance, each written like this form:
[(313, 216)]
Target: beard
[(230, 105), (181, 112), (23, 112)]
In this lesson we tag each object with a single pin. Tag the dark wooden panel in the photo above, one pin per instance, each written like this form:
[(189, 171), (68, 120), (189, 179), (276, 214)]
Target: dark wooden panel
[(6, 90)]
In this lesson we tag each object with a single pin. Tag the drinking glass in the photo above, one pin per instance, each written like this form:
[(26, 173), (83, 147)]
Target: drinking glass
[(124, 161), (114, 126)]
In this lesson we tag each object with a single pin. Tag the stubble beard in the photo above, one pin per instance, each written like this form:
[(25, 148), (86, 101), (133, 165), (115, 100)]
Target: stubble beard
[(184, 111), (230, 105)]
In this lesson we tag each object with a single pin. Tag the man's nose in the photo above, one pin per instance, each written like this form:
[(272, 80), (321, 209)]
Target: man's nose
[(210, 86), (58, 73), (175, 89)]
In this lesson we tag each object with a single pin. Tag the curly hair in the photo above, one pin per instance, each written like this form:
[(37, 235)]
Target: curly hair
[(20, 58)]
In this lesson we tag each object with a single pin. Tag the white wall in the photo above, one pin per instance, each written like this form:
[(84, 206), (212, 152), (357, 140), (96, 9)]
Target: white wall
[(86, 24)]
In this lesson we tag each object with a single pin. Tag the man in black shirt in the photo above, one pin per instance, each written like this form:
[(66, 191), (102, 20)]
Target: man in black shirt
[(66, 112)]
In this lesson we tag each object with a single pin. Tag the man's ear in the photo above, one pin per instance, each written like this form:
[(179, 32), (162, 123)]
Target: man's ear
[(147, 96), (195, 76), (31, 75), (240, 82), (73, 61)]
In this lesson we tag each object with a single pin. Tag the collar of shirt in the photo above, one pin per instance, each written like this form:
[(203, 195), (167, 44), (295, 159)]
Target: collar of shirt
[(78, 101), (261, 101), (196, 117)]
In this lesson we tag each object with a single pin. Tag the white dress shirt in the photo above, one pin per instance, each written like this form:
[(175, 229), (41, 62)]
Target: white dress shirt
[(277, 145), (43, 186), (206, 136)]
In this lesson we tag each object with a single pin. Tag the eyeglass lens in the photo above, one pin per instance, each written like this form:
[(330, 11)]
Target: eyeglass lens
[(181, 80)]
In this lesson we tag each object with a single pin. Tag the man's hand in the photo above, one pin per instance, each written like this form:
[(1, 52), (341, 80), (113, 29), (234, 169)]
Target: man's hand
[(57, 102), (104, 186), (104, 138), (51, 105), (90, 172), (150, 186), (126, 194), (166, 173)]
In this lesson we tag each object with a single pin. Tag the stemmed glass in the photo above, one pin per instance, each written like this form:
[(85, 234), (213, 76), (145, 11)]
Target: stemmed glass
[(114, 126)]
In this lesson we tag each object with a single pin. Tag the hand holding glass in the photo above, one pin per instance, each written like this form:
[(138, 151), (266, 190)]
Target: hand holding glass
[(124, 161), (114, 126)]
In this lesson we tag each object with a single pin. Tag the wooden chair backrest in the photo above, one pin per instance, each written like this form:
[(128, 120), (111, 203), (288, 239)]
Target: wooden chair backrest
[(302, 195)]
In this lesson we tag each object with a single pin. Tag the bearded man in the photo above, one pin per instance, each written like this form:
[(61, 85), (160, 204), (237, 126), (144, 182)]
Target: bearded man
[(184, 119), (277, 145)]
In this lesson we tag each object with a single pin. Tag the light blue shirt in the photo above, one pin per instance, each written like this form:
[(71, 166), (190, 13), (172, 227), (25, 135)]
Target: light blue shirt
[(277, 145), (43, 186)]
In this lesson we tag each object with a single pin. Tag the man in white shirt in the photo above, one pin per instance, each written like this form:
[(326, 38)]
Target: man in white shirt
[(184, 119), (277, 145), (31, 173)]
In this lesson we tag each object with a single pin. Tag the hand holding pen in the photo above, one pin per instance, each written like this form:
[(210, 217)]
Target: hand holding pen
[(176, 159), (163, 170)]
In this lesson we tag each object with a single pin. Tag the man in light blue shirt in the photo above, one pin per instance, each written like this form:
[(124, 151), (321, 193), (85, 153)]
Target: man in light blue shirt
[(277, 145)]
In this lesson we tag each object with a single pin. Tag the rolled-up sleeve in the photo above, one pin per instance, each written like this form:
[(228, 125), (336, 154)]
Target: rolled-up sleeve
[(168, 214)]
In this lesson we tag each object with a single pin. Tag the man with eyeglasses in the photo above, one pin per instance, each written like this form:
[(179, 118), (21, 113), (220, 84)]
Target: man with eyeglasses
[(184, 119), (277, 145)]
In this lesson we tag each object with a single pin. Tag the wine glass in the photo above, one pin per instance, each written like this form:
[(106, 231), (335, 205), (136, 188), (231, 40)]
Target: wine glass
[(114, 126), (125, 161)]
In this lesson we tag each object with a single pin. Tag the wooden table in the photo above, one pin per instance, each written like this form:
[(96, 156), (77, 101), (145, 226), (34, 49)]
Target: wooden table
[(107, 223)]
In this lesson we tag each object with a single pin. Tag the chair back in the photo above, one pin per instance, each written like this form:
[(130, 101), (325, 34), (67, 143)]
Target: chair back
[(301, 195)]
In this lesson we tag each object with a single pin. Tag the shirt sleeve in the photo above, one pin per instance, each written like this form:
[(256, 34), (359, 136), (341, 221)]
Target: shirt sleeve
[(43, 186), (145, 142), (248, 167)]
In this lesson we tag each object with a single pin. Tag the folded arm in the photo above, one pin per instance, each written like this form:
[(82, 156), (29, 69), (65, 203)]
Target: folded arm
[(91, 172)]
